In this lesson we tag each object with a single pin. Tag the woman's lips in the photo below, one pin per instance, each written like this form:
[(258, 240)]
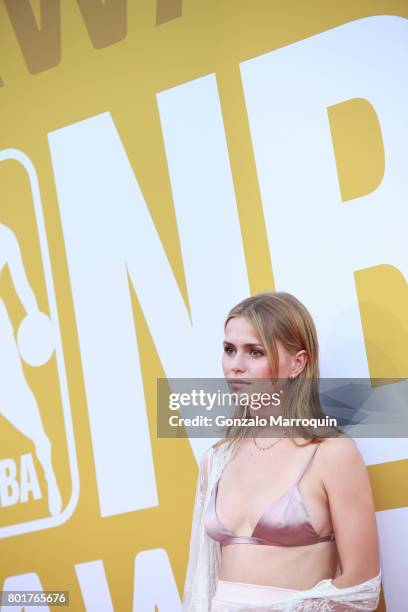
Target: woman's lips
[(237, 381)]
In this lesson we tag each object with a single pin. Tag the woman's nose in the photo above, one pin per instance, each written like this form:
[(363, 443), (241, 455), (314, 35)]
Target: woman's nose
[(237, 366), (237, 370)]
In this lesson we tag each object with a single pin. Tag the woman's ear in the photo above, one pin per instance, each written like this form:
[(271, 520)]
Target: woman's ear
[(299, 363)]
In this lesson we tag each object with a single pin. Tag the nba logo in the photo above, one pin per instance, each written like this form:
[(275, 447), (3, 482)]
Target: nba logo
[(37, 456)]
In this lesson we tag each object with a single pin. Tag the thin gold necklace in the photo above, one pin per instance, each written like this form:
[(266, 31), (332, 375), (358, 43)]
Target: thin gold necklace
[(263, 448)]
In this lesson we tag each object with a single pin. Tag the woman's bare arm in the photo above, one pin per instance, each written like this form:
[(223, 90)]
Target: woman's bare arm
[(348, 487)]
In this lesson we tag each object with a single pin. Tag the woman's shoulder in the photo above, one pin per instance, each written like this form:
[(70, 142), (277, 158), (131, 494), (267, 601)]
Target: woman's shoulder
[(333, 449), (221, 444), (339, 453), (214, 449), (221, 449), (340, 443)]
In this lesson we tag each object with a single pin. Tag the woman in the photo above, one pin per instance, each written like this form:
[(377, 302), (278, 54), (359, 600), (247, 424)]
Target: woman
[(315, 546)]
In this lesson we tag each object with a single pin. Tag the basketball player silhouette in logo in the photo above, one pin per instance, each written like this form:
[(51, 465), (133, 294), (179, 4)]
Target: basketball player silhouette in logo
[(35, 345)]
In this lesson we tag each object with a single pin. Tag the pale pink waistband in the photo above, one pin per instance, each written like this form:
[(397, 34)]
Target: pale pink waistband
[(244, 592)]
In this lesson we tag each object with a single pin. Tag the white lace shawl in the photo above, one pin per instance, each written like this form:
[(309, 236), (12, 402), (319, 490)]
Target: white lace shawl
[(205, 556)]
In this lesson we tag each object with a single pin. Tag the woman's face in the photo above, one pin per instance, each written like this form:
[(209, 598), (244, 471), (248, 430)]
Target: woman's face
[(244, 355)]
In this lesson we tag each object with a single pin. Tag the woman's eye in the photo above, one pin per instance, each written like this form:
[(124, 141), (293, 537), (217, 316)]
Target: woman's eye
[(227, 349), (258, 353)]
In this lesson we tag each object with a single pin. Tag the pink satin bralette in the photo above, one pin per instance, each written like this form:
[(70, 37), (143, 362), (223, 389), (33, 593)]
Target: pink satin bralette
[(285, 523)]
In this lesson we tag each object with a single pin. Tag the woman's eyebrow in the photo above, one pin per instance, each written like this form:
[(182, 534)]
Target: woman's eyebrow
[(246, 345)]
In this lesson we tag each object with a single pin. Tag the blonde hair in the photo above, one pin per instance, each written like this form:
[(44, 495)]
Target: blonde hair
[(279, 316)]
